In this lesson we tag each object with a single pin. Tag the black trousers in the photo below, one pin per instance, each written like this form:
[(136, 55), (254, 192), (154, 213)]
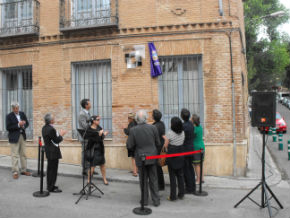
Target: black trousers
[(173, 175), (52, 166), (189, 174), (160, 176)]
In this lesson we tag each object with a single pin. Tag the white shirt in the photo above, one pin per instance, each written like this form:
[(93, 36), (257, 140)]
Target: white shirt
[(18, 117)]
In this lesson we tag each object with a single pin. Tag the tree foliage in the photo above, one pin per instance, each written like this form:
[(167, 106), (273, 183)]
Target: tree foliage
[(268, 56)]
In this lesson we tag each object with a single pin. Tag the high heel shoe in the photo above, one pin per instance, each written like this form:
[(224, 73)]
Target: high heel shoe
[(106, 183)]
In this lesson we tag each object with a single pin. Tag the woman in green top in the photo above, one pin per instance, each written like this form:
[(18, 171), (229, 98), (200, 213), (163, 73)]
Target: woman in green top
[(198, 144)]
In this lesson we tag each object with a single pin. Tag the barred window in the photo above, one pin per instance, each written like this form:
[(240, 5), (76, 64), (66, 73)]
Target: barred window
[(181, 86), (90, 12), (18, 16), (16, 87), (92, 80)]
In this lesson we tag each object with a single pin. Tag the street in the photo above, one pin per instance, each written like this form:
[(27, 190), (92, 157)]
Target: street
[(281, 157), (16, 200)]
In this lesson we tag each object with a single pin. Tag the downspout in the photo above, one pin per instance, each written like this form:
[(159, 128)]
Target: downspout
[(221, 11), (233, 110)]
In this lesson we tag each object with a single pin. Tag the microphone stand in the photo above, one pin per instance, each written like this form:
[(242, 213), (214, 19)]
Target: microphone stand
[(90, 184), (83, 191)]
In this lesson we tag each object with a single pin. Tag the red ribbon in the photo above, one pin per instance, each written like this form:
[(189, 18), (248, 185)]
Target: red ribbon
[(172, 155)]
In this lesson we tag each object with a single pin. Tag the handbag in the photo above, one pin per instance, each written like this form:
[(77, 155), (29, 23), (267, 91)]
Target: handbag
[(162, 161)]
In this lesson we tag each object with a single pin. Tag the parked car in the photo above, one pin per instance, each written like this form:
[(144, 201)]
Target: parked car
[(288, 103), (282, 95), (281, 125), (284, 101)]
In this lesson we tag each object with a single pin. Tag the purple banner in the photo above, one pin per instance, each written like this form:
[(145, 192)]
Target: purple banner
[(154, 61)]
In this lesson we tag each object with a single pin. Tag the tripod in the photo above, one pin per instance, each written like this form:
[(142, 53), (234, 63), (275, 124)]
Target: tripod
[(265, 201), (90, 187)]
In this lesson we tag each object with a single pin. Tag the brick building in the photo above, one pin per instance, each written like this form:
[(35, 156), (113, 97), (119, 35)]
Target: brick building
[(54, 53)]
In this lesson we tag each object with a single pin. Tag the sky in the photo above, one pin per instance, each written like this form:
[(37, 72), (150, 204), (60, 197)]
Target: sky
[(285, 27)]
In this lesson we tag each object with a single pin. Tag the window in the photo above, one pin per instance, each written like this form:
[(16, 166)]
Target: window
[(180, 86), (92, 80), (17, 16), (16, 86), (90, 12)]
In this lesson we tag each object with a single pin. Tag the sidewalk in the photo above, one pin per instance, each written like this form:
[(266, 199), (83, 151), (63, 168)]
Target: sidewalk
[(252, 178)]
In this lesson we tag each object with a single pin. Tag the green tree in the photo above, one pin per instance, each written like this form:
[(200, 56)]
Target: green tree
[(268, 57), (287, 74)]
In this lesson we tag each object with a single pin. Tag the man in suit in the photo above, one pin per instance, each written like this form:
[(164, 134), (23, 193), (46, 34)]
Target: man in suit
[(84, 115), (144, 139), (84, 118), (51, 140), (16, 123), (189, 174)]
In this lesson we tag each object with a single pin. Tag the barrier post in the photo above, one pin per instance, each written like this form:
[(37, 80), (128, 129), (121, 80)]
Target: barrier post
[(37, 173), (200, 192), (142, 210), (288, 149), (41, 193), (270, 131), (274, 135), (280, 144)]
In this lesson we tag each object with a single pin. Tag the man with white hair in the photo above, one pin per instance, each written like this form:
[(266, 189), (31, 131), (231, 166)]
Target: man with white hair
[(16, 123), (144, 139)]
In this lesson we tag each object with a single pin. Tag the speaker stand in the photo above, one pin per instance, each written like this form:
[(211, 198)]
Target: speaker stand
[(265, 201)]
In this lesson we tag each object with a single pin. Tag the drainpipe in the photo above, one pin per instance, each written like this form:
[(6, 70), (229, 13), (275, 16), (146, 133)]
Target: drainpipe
[(233, 110), (221, 8)]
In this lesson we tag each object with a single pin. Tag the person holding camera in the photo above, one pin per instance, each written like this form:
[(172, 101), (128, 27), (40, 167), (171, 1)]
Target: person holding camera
[(95, 153)]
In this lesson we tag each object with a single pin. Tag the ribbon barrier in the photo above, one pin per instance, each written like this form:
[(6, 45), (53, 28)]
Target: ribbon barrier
[(200, 192), (146, 211), (37, 174), (142, 210), (172, 155), (41, 193)]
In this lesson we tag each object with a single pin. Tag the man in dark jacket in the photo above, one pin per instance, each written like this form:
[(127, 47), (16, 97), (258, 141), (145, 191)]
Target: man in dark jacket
[(144, 139), (16, 123), (189, 175), (51, 140)]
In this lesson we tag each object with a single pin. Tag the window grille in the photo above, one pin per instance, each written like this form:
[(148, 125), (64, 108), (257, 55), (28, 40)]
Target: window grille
[(92, 80), (181, 86), (16, 87)]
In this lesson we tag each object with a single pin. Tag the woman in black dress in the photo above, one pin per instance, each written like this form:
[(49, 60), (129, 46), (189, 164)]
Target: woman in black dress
[(95, 136)]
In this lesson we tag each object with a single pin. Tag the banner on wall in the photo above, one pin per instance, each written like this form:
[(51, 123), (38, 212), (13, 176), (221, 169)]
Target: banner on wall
[(154, 61)]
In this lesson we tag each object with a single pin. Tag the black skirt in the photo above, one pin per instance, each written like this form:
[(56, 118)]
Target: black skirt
[(196, 158), (99, 158), (96, 155)]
